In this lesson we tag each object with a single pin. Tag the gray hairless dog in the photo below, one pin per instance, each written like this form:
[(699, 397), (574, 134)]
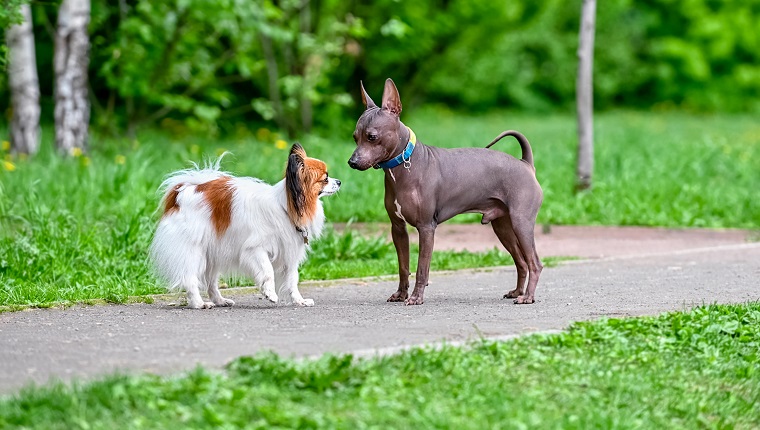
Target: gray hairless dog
[(426, 185)]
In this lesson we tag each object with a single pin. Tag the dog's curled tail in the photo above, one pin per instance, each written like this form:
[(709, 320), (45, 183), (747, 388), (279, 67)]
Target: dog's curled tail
[(527, 153)]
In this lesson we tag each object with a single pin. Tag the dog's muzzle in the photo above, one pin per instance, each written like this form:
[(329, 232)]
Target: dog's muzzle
[(332, 187), (354, 163)]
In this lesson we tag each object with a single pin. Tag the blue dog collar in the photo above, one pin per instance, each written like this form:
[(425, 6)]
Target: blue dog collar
[(401, 158)]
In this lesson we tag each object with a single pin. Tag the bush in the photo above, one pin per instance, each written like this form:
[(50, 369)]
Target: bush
[(191, 65)]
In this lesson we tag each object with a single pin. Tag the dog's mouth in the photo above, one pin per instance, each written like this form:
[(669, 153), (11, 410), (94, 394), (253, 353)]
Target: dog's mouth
[(359, 167)]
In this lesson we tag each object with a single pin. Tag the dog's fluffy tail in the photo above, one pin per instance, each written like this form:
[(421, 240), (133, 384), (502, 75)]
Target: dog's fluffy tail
[(527, 153)]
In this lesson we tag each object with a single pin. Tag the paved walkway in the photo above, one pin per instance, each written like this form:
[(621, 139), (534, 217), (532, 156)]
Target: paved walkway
[(652, 276)]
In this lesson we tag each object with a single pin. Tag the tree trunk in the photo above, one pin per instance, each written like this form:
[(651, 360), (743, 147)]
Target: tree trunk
[(585, 96), (71, 58), (24, 85)]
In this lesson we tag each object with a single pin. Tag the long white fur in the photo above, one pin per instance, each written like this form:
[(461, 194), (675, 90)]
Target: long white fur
[(260, 243)]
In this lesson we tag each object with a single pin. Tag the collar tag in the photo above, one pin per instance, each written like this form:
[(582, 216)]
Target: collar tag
[(305, 233)]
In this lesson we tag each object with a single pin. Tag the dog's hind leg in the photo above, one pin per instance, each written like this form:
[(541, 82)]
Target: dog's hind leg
[(194, 300), (503, 228), (212, 281), (194, 267), (255, 263), (523, 226)]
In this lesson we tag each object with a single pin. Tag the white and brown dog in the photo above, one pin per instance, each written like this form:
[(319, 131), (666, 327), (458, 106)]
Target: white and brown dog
[(215, 224)]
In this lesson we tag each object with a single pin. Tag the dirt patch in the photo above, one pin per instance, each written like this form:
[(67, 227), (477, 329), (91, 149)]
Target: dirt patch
[(579, 241)]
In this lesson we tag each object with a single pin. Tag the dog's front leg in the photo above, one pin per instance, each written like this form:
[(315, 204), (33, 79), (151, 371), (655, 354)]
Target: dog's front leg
[(289, 288), (401, 242), (427, 238)]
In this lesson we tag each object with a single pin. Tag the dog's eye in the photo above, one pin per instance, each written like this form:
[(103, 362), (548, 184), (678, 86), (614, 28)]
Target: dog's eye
[(372, 137)]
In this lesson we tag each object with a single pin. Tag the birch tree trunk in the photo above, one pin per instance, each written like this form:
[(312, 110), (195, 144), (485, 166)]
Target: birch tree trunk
[(71, 58), (585, 96), (24, 85)]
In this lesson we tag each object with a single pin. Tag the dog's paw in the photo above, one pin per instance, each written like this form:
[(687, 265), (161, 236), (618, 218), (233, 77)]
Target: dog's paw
[(512, 295), (224, 302), (398, 296), (271, 296), (414, 301), (201, 305), (524, 300), (306, 303)]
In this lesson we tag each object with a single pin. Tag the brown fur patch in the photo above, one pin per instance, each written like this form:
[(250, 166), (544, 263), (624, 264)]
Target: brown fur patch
[(306, 177), (218, 194), (314, 174), (170, 200)]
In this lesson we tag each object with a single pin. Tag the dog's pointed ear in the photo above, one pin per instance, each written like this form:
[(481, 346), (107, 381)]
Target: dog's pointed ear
[(391, 99), (294, 183), (368, 103), (298, 150)]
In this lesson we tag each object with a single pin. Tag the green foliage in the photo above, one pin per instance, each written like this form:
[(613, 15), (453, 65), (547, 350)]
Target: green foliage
[(699, 55), (712, 61), (203, 61), (10, 14), (52, 252), (695, 369), (214, 61), (193, 66)]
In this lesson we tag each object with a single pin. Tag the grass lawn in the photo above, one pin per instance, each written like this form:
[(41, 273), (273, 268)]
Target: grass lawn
[(696, 369), (79, 228)]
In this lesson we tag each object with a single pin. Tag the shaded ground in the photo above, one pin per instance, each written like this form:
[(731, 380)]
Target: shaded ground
[(644, 272)]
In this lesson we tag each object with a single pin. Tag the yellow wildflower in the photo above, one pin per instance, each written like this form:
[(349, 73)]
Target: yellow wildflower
[(6, 145), (75, 151), (263, 134), (120, 159), (281, 144), (7, 165)]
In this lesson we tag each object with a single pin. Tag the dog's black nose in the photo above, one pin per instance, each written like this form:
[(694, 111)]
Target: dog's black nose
[(338, 181), (352, 163)]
